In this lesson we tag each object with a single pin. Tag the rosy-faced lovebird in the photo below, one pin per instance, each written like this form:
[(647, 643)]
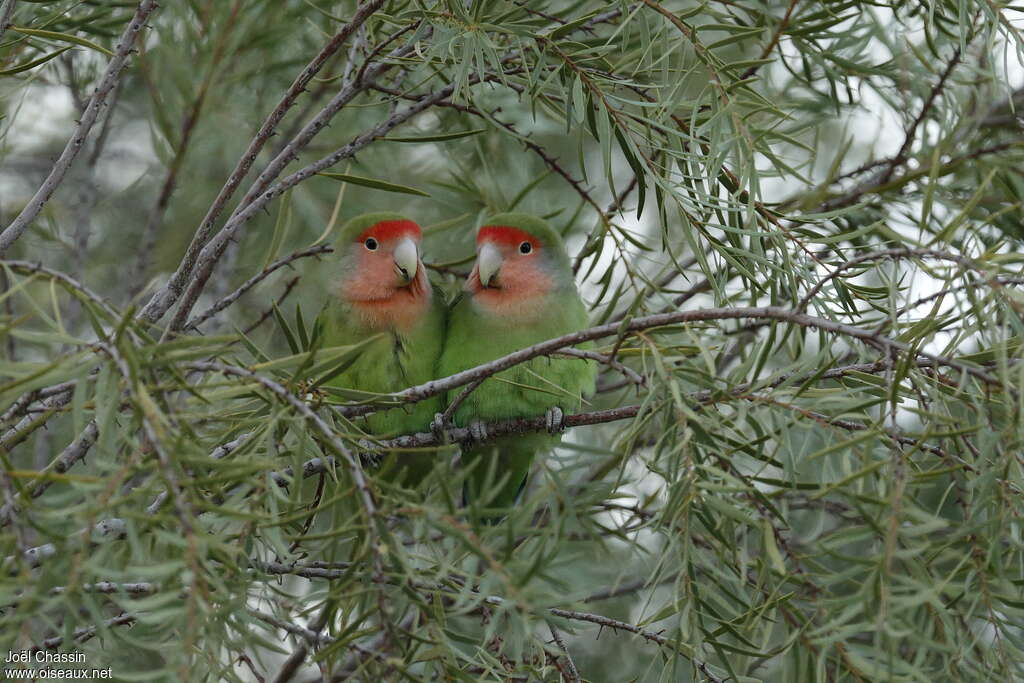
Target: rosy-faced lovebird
[(382, 288), (521, 292)]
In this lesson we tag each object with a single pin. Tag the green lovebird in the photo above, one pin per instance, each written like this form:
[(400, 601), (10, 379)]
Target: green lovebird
[(383, 289), (521, 292)]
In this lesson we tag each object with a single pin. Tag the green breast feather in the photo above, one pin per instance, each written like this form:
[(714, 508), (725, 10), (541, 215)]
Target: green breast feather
[(394, 362)]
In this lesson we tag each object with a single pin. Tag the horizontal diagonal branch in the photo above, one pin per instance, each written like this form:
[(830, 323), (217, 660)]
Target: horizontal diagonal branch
[(872, 338)]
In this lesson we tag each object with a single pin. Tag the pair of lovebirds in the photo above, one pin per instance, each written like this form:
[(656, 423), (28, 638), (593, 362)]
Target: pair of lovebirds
[(521, 291)]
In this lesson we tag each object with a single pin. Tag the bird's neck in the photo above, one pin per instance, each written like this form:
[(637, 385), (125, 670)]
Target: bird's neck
[(386, 309), (518, 295), (512, 307)]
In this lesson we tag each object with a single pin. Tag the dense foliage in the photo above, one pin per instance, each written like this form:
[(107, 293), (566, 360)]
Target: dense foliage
[(797, 229)]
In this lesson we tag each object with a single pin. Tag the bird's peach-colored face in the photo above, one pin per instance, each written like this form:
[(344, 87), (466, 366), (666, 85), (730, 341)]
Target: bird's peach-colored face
[(508, 277), (387, 283)]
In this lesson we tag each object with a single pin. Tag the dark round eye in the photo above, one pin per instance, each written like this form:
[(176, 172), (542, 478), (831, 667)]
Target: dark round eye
[(525, 248), (371, 244)]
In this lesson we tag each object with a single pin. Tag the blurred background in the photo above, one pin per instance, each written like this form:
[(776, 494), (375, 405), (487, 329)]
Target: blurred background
[(790, 502)]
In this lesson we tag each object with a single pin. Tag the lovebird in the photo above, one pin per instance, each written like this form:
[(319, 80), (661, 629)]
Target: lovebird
[(521, 291), (383, 288)]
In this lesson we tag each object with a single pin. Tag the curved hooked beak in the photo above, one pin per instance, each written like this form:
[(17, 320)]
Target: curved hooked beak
[(406, 260), (488, 263)]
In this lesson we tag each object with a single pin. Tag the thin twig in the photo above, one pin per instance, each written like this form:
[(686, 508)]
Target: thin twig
[(253, 281), (269, 311), (776, 36), (60, 167), (64, 279), (298, 656), (881, 254), (213, 250), (996, 282), (162, 300), (616, 591), (31, 422), (20, 406), (449, 412), (154, 433), (551, 162), (537, 13), (311, 637), (911, 135), (83, 634), (218, 453), (72, 453), (574, 674), (617, 625), (372, 650), (875, 186), (630, 374), (86, 206), (106, 529), (137, 276)]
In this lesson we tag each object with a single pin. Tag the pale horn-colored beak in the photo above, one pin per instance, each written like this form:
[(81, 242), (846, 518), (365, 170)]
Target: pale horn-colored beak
[(488, 263), (406, 260)]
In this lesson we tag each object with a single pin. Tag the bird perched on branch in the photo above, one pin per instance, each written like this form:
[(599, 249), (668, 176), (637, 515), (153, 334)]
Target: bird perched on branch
[(383, 289), (521, 292)]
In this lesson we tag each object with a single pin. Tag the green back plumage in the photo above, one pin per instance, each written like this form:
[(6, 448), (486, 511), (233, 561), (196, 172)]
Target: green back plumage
[(526, 390)]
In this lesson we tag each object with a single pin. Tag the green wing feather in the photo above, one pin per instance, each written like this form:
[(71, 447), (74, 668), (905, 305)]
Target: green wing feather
[(525, 390)]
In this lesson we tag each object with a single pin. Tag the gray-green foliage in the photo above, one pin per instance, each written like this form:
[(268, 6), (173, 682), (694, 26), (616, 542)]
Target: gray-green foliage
[(830, 490)]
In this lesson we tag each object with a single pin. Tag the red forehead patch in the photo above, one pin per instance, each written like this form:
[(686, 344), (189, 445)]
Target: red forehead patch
[(386, 231), (505, 234)]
